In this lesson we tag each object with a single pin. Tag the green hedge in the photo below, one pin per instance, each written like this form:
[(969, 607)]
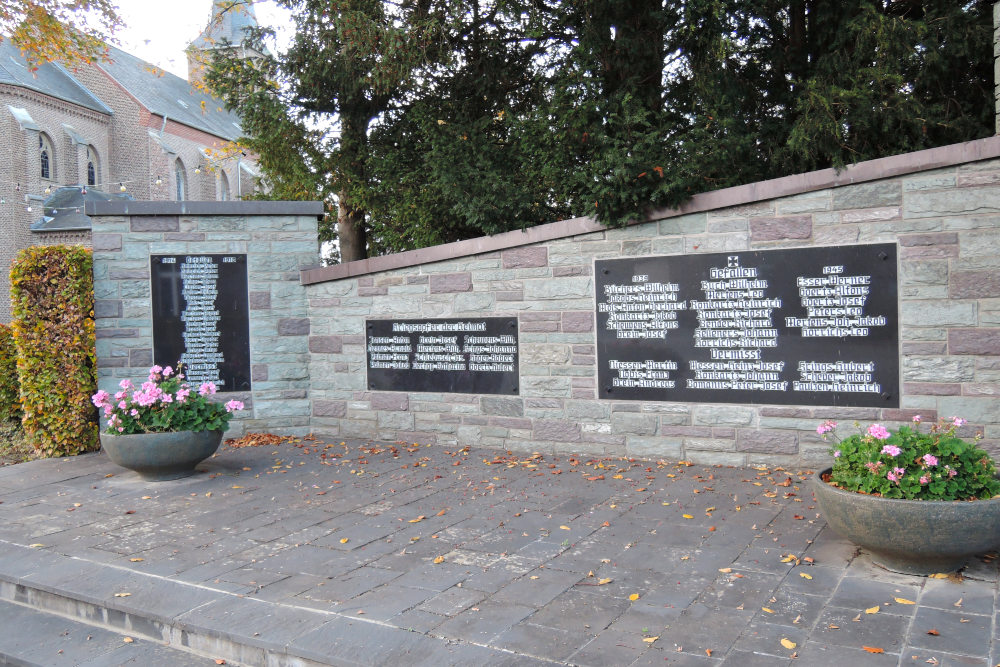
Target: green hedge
[(52, 293), (10, 408)]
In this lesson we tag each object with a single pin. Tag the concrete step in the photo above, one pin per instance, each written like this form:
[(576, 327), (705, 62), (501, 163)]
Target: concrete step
[(31, 637), (112, 602)]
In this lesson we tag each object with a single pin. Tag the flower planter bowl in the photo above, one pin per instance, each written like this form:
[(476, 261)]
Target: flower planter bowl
[(911, 536), (161, 456)]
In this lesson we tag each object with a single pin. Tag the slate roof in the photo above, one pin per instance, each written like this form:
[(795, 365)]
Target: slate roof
[(228, 23), (166, 94), (161, 92), (49, 79)]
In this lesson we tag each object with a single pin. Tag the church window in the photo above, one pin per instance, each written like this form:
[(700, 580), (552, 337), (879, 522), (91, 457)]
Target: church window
[(92, 166), (181, 178), (46, 157)]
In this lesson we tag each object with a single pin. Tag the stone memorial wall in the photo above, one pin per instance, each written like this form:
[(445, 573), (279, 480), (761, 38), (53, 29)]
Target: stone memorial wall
[(722, 333), (215, 285)]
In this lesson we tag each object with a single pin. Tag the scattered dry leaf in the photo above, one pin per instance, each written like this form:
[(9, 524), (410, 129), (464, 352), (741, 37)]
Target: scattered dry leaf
[(904, 601), (933, 631), (872, 610), (633, 597), (650, 640), (873, 649), (439, 560), (127, 640), (805, 575), (344, 540), (122, 595), (788, 643)]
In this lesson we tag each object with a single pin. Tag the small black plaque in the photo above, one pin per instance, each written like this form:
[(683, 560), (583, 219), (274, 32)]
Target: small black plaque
[(466, 356), (810, 326), (201, 317)]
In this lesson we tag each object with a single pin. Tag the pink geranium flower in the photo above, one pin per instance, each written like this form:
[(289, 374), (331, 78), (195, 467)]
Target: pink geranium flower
[(930, 459), (878, 432), (891, 450)]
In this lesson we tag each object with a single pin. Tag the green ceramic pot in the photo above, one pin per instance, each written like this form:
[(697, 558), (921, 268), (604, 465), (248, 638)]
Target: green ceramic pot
[(911, 536), (161, 456)]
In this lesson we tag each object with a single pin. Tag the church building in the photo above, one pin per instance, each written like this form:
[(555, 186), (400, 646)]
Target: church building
[(118, 128)]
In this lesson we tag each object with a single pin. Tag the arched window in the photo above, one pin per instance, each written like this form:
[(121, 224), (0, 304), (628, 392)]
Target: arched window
[(46, 156), (181, 178), (93, 167), (223, 186)]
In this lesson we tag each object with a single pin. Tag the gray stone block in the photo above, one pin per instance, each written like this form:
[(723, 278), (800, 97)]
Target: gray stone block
[(154, 223), (724, 415), (502, 406), (776, 229), (394, 401), (444, 283), (525, 257), (564, 288), (557, 430), (868, 195), (767, 441), (653, 448), (634, 423)]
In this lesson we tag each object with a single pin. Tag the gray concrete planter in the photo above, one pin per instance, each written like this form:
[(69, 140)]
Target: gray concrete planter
[(911, 536), (161, 456)]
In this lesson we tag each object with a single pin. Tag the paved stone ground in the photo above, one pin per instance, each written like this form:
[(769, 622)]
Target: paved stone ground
[(372, 554)]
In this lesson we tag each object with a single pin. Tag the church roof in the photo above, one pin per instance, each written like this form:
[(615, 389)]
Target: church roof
[(229, 22), (166, 94), (49, 79)]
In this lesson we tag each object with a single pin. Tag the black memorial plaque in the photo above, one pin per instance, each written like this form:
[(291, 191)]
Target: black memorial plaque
[(201, 317), (466, 356), (811, 326)]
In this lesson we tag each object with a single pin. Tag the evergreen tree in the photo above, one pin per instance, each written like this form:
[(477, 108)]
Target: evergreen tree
[(434, 121)]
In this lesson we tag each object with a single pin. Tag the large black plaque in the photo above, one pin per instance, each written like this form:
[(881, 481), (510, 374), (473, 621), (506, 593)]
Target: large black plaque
[(201, 317), (467, 356), (812, 326)]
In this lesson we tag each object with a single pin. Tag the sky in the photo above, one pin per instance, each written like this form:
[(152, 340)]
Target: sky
[(159, 32)]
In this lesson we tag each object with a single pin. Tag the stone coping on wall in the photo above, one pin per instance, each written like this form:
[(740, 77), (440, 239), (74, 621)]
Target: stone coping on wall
[(227, 208), (871, 170)]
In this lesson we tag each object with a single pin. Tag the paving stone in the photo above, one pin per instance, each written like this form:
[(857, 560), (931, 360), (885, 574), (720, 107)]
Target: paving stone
[(483, 622), (959, 632), (610, 649), (277, 540), (861, 594), (820, 654), (964, 596), (879, 630), (581, 611), (540, 641)]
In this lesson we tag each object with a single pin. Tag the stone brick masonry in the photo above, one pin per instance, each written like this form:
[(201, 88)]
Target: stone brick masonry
[(279, 238), (942, 208)]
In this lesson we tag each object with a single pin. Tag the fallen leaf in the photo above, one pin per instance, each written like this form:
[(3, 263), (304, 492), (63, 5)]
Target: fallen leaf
[(687, 516), (122, 595), (770, 611), (344, 540), (934, 632), (442, 512), (708, 652), (805, 575), (418, 519), (872, 610), (220, 661), (650, 640), (563, 527), (872, 649), (127, 640), (725, 570), (633, 597), (136, 560), (601, 582), (959, 603), (938, 575), (833, 627), (208, 495), (788, 643), (904, 601), (37, 545), (438, 560)]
